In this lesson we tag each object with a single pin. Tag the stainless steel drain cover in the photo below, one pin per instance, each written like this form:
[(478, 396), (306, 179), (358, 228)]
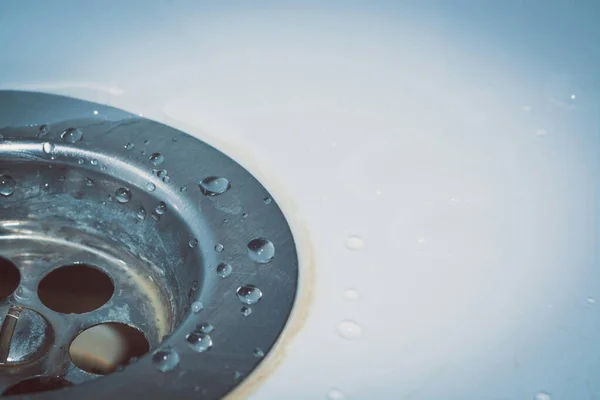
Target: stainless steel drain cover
[(120, 233)]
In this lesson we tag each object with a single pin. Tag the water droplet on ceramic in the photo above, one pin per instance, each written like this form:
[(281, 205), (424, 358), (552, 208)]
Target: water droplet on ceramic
[(224, 270), (197, 307), (193, 242), (129, 146), (249, 294), (351, 294), (150, 186), (267, 200), (80, 161), (44, 129), (261, 250), (161, 208), (157, 159), (94, 162), (48, 148), (183, 189), (141, 213), (258, 353), (335, 394), (72, 135), (123, 195), (349, 330), (199, 341), (214, 186), (246, 311), (166, 360), (543, 396), (7, 185), (219, 247), (355, 243)]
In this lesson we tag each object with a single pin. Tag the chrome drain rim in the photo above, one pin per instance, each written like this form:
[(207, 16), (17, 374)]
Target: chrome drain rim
[(229, 312)]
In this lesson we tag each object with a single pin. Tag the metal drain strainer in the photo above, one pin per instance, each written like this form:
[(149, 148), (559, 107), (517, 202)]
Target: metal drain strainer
[(116, 223)]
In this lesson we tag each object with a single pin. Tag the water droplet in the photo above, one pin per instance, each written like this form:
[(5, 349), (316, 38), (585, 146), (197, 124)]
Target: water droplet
[(205, 327), (161, 208), (157, 159), (110, 198), (183, 189), (166, 360), (141, 214), (48, 148), (44, 129), (246, 311), (261, 250), (249, 294), (129, 146), (123, 195), (197, 307), (350, 294), (590, 300), (355, 243), (80, 161), (94, 162), (219, 247), (335, 394), (213, 185), (237, 375), (543, 396), (7, 185), (349, 330), (72, 135), (193, 242), (150, 186), (146, 142), (224, 270), (195, 285), (103, 168), (61, 178), (199, 341), (155, 216), (245, 215), (267, 200), (95, 112), (161, 173), (258, 353), (89, 182), (143, 152), (166, 179)]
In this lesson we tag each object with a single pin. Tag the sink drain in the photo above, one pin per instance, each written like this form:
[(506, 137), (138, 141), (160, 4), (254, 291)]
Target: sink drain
[(129, 246)]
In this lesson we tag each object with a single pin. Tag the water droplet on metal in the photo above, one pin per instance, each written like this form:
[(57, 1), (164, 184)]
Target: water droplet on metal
[(193, 242), (249, 294), (161, 208), (129, 146), (150, 186), (219, 247), (7, 185), (94, 162), (349, 330), (48, 148), (166, 360), (183, 189), (258, 353), (205, 327), (141, 213), (161, 173), (261, 250), (267, 200), (246, 311), (166, 179), (123, 195), (214, 186), (72, 135), (224, 270), (199, 341), (44, 129), (89, 182), (197, 307), (157, 159)]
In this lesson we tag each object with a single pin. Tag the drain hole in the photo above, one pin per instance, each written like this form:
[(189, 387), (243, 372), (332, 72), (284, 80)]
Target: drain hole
[(75, 289), (9, 278), (101, 349), (39, 384)]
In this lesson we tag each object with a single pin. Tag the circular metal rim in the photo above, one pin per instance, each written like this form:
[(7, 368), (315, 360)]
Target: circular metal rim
[(214, 373)]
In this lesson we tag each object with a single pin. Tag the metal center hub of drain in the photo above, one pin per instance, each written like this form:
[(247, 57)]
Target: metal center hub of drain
[(128, 245)]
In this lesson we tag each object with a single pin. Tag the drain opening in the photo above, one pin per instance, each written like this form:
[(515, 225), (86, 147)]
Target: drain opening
[(75, 289), (104, 348), (36, 385), (9, 278)]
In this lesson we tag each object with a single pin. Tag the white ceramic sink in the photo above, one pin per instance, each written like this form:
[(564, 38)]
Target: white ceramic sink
[(438, 161)]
